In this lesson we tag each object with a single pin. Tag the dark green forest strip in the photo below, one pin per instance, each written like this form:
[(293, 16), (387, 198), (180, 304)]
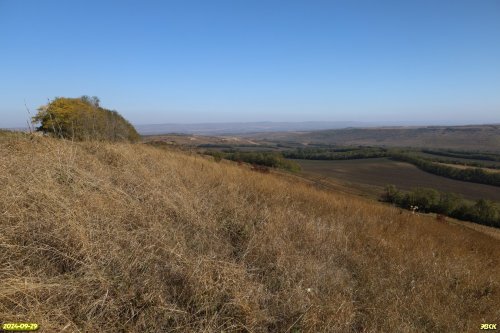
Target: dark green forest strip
[(464, 154), (474, 175), (267, 159), (429, 200), (335, 153)]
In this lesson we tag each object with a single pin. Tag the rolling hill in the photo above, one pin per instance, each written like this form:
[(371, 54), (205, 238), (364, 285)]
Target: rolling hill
[(118, 237), (473, 137)]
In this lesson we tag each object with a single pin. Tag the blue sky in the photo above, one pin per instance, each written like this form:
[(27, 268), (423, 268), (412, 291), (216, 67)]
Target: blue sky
[(217, 61)]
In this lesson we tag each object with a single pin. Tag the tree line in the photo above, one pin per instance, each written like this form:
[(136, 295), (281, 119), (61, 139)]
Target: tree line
[(268, 159), (335, 153), (470, 163), (464, 154), (432, 201), (83, 119), (474, 175)]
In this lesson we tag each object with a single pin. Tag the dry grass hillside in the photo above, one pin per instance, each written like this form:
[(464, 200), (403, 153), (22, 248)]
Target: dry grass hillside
[(99, 237)]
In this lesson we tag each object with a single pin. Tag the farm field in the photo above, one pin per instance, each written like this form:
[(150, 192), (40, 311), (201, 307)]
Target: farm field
[(374, 174), (197, 140), (472, 138), (461, 166)]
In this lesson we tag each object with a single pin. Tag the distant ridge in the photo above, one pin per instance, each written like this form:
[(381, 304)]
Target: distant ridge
[(470, 137), (267, 126), (243, 127)]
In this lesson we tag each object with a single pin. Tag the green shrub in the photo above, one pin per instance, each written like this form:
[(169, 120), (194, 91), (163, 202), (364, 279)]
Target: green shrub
[(391, 194)]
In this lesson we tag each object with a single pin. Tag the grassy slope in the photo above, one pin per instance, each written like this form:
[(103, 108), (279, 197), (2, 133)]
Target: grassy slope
[(130, 238)]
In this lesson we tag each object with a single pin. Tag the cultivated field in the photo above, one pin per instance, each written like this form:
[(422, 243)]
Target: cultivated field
[(376, 173), (197, 140), (484, 137), (462, 167), (100, 237)]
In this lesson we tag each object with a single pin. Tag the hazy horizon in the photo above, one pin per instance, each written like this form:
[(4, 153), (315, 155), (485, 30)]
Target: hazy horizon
[(261, 127), (356, 123), (240, 128), (223, 61)]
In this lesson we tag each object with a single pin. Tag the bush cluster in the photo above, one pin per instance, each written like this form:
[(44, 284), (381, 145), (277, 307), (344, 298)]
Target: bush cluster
[(83, 119), (430, 200)]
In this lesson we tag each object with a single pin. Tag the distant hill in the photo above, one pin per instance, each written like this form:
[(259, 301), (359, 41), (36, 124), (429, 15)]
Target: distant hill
[(242, 127), (233, 128), (473, 137)]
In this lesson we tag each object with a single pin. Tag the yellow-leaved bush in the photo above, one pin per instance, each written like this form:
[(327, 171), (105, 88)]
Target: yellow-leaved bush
[(83, 118)]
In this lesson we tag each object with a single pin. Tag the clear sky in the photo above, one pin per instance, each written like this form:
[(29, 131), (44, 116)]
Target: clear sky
[(216, 61)]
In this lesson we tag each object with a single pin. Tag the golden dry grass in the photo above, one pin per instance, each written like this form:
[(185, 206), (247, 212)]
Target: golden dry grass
[(100, 237)]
